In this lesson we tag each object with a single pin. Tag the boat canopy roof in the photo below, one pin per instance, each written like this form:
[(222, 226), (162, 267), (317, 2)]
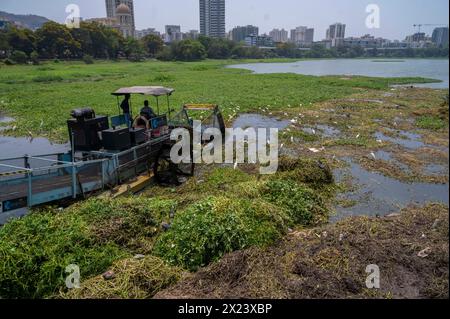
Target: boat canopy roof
[(145, 90)]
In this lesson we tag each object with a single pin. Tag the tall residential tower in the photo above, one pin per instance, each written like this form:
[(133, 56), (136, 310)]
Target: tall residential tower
[(212, 18), (336, 34)]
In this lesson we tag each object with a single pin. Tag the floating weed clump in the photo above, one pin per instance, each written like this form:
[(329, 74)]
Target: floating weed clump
[(133, 279), (216, 226), (132, 223), (306, 170)]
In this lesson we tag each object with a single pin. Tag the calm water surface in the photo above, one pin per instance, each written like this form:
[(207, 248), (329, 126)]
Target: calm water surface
[(427, 68)]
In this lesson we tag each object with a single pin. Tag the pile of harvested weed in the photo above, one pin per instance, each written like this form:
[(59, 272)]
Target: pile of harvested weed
[(137, 278), (411, 251)]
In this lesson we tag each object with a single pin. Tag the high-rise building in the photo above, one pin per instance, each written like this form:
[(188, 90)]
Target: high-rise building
[(212, 18), (336, 34), (280, 36), (336, 31), (239, 34), (298, 34), (309, 36), (302, 35), (123, 11), (191, 34), (173, 33), (416, 37), (440, 36)]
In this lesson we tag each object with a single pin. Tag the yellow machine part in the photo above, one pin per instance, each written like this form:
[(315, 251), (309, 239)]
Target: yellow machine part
[(132, 187)]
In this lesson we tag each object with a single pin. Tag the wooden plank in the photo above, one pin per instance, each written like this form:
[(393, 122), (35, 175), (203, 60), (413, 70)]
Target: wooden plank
[(132, 187)]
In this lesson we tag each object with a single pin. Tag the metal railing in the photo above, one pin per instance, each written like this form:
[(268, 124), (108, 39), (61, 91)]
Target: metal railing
[(46, 178)]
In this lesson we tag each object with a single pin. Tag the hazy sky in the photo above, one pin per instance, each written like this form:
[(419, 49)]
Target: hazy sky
[(397, 16)]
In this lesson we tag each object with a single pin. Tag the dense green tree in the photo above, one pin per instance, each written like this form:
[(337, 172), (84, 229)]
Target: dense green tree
[(4, 44), (97, 40), (288, 50), (116, 42), (188, 50), (22, 40), (19, 57), (134, 50), (153, 44), (166, 54), (34, 57), (318, 51), (220, 48), (205, 41), (54, 40)]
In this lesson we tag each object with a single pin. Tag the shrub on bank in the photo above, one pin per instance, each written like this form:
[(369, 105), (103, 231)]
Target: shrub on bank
[(19, 57), (9, 62), (88, 59)]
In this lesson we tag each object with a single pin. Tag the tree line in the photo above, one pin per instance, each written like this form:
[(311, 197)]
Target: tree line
[(90, 41), (95, 41)]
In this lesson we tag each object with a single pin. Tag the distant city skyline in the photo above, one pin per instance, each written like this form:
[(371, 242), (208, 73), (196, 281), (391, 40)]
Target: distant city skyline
[(397, 16)]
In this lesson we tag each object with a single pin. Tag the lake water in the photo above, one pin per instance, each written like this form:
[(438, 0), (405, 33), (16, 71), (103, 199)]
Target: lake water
[(427, 68)]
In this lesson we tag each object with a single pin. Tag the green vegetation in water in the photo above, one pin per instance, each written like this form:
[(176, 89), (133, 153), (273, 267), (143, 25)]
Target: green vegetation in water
[(219, 225), (35, 250), (31, 93), (302, 204), (431, 122), (230, 210)]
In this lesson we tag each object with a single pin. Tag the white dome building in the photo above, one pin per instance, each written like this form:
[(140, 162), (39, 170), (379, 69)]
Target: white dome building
[(125, 20)]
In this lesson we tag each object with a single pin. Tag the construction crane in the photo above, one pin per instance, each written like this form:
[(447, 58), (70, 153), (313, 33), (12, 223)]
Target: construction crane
[(419, 26)]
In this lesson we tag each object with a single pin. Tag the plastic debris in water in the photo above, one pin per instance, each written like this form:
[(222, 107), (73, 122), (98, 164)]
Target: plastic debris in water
[(315, 150), (424, 253)]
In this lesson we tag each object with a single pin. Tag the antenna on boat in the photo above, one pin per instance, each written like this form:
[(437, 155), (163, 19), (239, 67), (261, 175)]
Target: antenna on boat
[(73, 146)]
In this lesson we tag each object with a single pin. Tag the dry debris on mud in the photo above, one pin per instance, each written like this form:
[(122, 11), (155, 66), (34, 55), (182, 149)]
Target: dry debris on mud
[(411, 249)]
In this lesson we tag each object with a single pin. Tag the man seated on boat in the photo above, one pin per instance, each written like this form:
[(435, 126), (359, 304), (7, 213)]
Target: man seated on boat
[(147, 111)]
